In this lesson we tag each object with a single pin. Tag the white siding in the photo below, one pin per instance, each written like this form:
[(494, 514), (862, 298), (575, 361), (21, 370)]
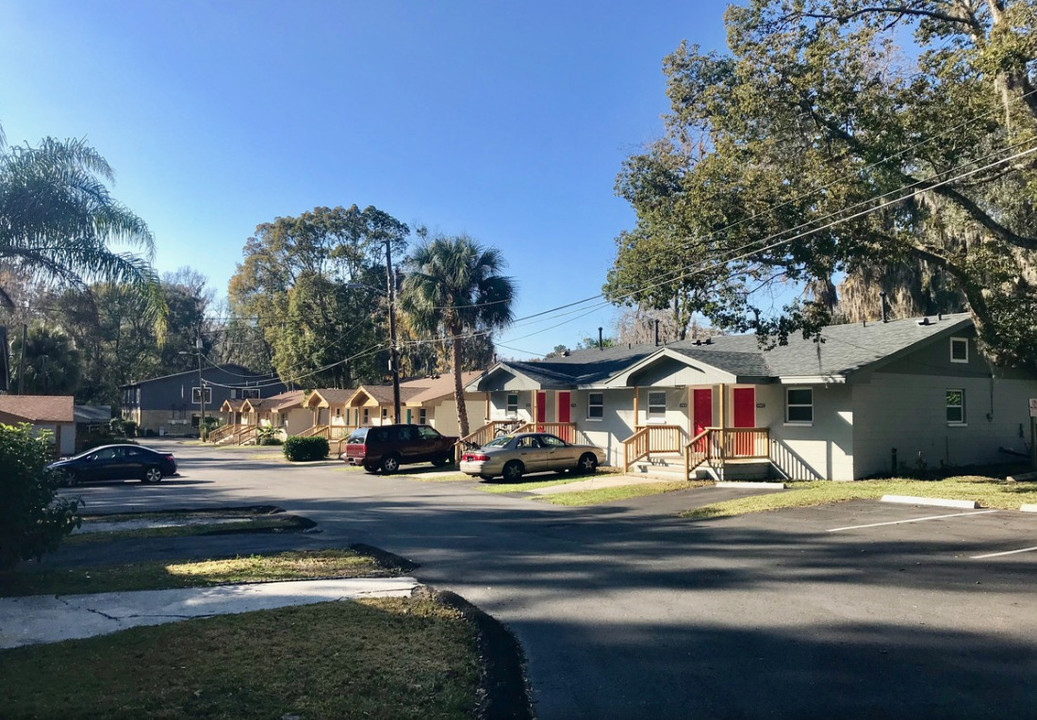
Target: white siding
[(615, 426), (820, 450)]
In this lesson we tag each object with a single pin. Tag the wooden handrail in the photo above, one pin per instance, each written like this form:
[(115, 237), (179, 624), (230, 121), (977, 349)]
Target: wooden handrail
[(491, 430), (635, 447), (715, 443)]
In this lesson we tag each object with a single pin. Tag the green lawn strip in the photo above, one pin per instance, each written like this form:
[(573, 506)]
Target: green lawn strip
[(268, 523), (154, 575), (377, 658), (618, 492), (502, 488), (988, 492)]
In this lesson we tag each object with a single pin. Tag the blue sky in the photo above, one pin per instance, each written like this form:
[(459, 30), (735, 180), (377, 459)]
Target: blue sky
[(507, 121)]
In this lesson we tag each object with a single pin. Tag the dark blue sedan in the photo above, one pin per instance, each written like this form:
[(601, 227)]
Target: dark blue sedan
[(116, 462)]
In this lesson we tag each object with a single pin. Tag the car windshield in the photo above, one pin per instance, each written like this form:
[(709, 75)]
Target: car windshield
[(500, 442)]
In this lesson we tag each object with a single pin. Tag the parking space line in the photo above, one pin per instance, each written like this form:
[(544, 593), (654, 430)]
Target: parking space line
[(912, 520), (999, 554)]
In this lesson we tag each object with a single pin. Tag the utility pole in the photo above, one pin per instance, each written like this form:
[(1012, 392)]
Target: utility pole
[(201, 389), (394, 355)]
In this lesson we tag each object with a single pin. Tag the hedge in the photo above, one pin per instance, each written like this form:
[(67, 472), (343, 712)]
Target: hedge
[(301, 449)]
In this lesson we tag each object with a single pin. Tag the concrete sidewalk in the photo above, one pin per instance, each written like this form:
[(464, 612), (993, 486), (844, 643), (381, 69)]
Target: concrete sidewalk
[(52, 618)]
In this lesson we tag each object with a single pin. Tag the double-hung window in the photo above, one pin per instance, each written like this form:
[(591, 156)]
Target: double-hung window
[(595, 406), (196, 395), (956, 406), (799, 405), (657, 406), (512, 405), (959, 350)]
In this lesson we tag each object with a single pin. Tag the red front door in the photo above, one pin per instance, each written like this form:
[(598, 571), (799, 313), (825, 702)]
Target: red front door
[(702, 409), (564, 415), (744, 401), (702, 406), (541, 410)]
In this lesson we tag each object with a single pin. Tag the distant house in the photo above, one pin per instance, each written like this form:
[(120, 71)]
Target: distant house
[(871, 398), (172, 404), (423, 401), (52, 413)]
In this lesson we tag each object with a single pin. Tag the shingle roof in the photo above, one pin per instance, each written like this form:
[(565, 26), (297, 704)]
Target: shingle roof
[(437, 387), (37, 408), (845, 349), (333, 396)]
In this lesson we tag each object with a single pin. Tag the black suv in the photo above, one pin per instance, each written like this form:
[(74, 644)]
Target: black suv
[(386, 447)]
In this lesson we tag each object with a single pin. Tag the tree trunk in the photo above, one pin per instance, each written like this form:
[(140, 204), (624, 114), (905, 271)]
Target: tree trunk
[(462, 410)]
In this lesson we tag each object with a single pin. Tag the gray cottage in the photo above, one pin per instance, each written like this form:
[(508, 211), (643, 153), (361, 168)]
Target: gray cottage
[(870, 398)]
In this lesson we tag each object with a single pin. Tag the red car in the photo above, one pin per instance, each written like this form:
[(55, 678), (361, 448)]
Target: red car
[(386, 447)]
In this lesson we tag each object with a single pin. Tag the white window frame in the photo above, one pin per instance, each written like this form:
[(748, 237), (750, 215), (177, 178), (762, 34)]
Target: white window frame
[(790, 405), (961, 407), (511, 410), (960, 342), (196, 394), (593, 406), (655, 416)]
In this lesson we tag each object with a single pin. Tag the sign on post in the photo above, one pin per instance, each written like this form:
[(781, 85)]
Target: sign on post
[(1033, 407)]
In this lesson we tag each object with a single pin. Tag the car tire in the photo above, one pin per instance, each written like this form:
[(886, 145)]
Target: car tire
[(152, 474), (69, 478), (512, 471), (390, 464), (587, 464)]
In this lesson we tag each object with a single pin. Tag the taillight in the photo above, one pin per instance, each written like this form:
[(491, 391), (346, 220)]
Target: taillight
[(472, 457)]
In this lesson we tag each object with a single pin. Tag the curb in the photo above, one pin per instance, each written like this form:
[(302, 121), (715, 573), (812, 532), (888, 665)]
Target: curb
[(1028, 507), (385, 559), (503, 690), (1024, 477), (939, 502), (752, 485)]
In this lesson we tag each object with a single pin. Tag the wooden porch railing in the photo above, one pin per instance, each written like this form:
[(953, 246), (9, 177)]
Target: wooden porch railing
[(221, 433), (322, 430), (721, 444), (566, 431), (489, 431), (649, 439), (247, 434)]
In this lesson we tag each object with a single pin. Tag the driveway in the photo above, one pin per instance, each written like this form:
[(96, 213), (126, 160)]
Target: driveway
[(860, 610)]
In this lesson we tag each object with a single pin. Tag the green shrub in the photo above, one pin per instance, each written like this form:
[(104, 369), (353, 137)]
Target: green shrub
[(301, 449), (129, 428), (32, 519)]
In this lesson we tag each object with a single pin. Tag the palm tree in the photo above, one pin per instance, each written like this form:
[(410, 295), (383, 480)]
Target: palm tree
[(57, 219), (454, 287)]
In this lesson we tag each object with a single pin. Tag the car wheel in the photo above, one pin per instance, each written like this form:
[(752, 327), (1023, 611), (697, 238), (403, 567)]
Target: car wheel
[(390, 464), (512, 471), (151, 475), (69, 478), (587, 464)]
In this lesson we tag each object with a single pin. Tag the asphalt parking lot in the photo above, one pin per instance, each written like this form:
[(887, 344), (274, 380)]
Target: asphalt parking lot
[(855, 610)]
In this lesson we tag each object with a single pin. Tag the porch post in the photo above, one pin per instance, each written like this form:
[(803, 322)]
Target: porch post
[(723, 420), (486, 413), (691, 409), (636, 393)]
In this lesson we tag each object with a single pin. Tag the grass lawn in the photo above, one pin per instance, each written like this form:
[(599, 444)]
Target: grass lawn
[(989, 492), (619, 492), (502, 488), (377, 658), (153, 575)]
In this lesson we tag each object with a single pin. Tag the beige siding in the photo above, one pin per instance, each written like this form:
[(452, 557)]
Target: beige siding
[(822, 449)]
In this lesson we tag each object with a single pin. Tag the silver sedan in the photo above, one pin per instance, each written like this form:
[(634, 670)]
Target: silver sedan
[(512, 456)]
